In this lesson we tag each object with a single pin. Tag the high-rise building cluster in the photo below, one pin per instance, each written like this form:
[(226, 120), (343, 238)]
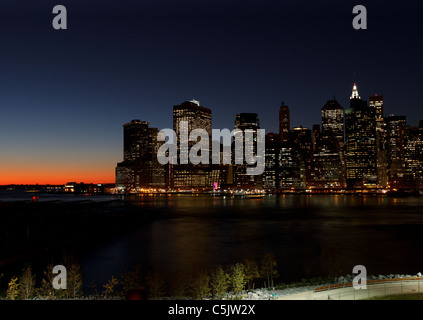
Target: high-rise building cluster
[(358, 148)]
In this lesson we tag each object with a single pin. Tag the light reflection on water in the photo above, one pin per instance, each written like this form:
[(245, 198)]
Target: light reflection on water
[(310, 235)]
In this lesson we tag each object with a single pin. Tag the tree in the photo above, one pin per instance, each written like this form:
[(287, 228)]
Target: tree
[(74, 281), (200, 285), (13, 289), (46, 289), (251, 272), (180, 284), (27, 283), (219, 282), (131, 280), (268, 268), (237, 278), (155, 284), (110, 286)]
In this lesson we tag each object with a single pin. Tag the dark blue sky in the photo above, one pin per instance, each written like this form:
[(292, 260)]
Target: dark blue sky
[(65, 94)]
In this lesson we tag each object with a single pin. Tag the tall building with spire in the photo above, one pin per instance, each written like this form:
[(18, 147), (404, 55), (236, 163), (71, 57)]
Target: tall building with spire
[(284, 122), (360, 134), (354, 94)]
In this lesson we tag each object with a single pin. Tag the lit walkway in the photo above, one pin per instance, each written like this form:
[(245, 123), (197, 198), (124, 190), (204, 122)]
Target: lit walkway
[(396, 286)]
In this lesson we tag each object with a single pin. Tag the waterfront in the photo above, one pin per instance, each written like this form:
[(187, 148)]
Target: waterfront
[(310, 235)]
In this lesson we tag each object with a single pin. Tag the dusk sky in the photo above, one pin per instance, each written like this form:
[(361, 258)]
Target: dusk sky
[(64, 94)]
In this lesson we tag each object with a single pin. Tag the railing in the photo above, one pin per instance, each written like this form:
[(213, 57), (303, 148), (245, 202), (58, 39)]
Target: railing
[(375, 288), (369, 282)]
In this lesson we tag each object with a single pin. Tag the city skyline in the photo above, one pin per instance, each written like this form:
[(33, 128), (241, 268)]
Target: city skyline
[(88, 176), (358, 148), (65, 94)]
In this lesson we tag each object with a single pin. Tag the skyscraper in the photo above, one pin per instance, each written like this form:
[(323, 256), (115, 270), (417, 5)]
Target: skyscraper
[(284, 122), (395, 126), (333, 119), (271, 171), (189, 116), (326, 170), (413, 155), (302, 138), (139, 158), (316, 134), (291, 168), (376, 102), (360, 133), (242, 180)]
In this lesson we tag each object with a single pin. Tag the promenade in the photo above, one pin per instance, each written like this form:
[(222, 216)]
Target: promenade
[(375, 288)]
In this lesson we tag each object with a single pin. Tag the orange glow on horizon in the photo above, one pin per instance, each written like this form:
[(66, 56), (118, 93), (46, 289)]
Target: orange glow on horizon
[(59, 176), (55, 179)]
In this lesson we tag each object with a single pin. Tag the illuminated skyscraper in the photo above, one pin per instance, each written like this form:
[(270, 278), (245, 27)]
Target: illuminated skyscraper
[(376, 102), (284, 122), (302, 138), (360, 133), (413, 155), (242, 180), (291, 168), (395, 126), (270, 175), (316, 134), (139, 168), (187, 117), (326, 170), (333, 119)]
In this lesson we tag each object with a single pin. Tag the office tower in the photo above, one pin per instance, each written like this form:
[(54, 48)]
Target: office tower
[(158, 171), (301, 137), (376, 102), (360, 134), (291, 168), (284, 122), (241, 179), (199, 177), (187, 117), (333, 119), (135, 172), (395, 126), (285, 168), (245, 121), (326, 169), (193, 116), (316, 134), (413, 156), (271, 172)]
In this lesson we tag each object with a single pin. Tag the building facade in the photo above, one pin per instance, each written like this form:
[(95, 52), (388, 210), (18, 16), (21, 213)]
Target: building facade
[(284, 122), (242, 180), (139, 168), (360, 136)]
